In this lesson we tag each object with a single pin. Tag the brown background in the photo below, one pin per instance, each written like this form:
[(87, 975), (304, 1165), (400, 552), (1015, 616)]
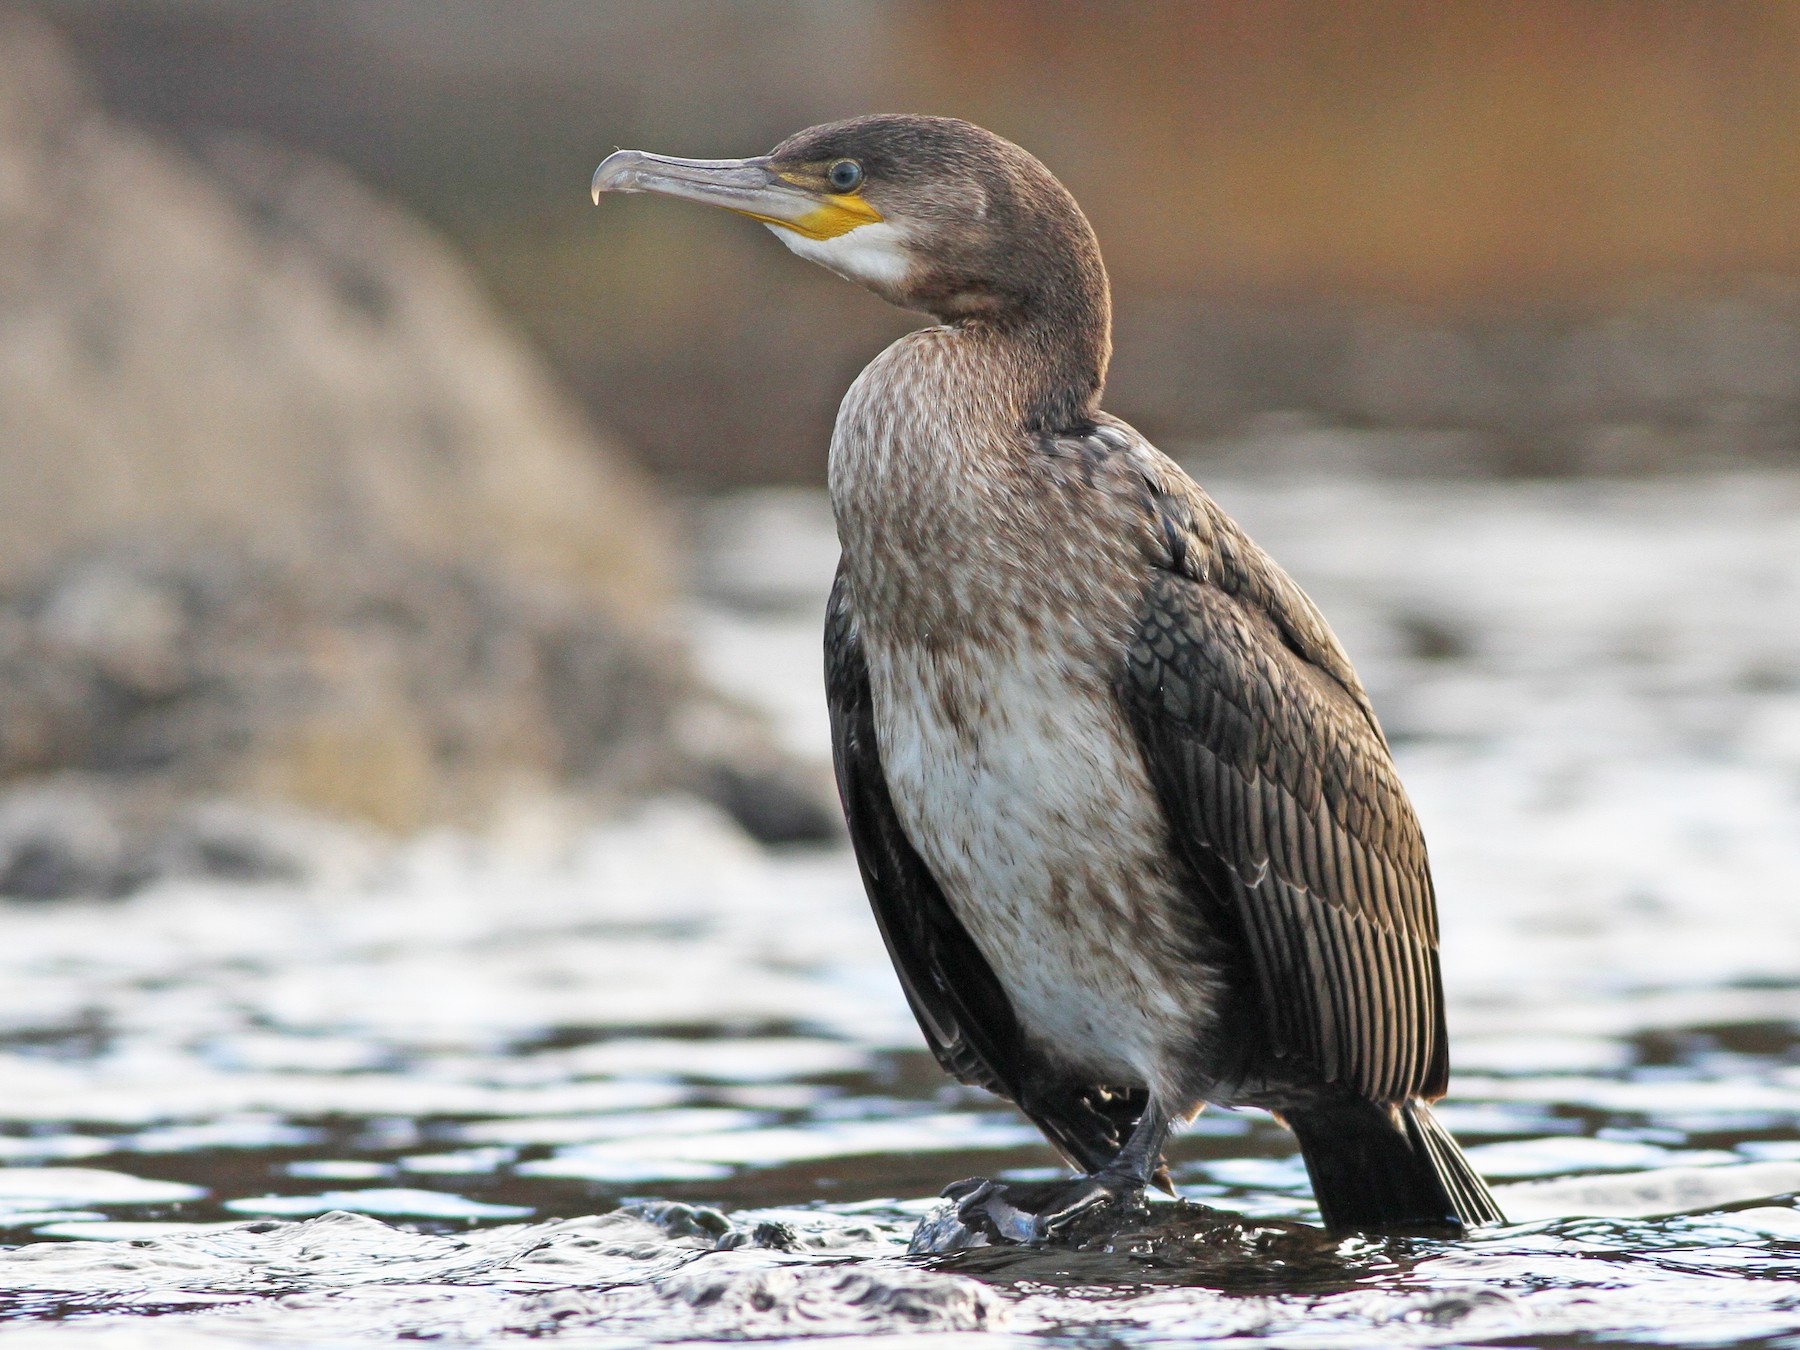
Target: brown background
[(1407, 214)]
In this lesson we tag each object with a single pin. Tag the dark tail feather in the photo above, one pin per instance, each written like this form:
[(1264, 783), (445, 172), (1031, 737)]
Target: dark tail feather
[(1388, 1167)]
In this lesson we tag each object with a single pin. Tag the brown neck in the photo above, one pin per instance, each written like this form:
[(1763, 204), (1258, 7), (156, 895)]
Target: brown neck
[(1055, 340)]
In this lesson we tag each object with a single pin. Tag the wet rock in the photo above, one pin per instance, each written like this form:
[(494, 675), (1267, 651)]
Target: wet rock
[(767, 1234), (1126, 1239), (61, 846), (700, 1222), (775, 801), (1426, 637), (1179, 1243)]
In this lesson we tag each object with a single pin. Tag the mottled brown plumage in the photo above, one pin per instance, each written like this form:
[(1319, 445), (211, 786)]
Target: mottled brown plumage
[(1124, 812)]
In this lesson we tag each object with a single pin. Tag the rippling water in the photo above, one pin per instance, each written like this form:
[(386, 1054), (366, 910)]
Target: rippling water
[(653, 1083)]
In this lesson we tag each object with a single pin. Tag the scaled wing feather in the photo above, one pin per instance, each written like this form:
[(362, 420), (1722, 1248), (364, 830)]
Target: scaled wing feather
[(1285, 805)]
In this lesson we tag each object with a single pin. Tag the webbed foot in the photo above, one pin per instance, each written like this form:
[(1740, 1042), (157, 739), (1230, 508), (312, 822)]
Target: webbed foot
[(983, 1213)]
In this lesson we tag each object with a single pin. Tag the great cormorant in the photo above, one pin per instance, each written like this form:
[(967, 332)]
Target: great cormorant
[(1124, 812)]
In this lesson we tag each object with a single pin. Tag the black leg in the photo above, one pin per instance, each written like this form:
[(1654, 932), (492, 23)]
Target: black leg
[(1142, 1153)]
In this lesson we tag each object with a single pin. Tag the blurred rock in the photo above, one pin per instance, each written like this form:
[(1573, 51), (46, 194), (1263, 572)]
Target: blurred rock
[(254, 343), (94, 839), (397, 689), (290, 513)]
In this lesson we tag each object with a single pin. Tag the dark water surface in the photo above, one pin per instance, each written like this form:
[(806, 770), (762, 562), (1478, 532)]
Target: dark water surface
[(652, 1083)]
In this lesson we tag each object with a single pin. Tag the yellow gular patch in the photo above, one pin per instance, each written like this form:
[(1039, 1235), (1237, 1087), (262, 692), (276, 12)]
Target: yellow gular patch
[(836, 214), (840, 213)]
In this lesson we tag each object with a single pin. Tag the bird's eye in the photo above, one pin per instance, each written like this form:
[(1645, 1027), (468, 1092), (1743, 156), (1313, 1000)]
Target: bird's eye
[(846, 175)]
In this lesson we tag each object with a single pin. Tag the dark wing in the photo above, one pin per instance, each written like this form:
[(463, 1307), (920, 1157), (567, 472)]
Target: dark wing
[(1285, 806), (966, 1016)]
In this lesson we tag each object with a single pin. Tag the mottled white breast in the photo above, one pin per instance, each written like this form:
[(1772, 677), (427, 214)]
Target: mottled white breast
[(992, 616), (1019, 788)]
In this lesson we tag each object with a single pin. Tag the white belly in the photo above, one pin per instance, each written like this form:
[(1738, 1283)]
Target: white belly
[(1018, 783)]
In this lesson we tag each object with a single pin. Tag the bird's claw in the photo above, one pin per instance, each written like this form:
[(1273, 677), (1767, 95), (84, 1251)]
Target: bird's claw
[(983, 1212)]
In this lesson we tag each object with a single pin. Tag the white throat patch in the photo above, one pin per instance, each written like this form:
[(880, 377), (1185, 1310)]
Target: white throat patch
[(873, 254)]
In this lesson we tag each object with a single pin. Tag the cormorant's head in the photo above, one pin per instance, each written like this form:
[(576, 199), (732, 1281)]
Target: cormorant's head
[(930, 213)]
